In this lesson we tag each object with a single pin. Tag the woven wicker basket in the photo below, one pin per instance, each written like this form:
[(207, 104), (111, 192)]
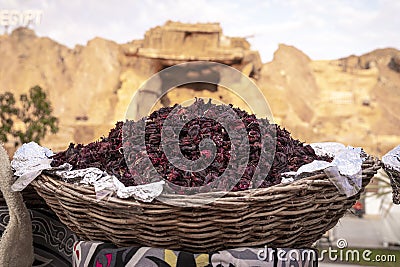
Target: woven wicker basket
[(394, 182), (285, 215)]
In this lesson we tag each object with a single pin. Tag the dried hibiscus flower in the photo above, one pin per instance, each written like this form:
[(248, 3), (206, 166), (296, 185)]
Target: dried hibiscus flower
[(108, 154)]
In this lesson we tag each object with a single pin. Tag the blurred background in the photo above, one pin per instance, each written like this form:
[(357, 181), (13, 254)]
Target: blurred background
[(330, 71)]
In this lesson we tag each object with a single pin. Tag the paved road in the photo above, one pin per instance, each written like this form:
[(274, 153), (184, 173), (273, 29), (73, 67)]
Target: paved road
[(360, 232), (367, 232)]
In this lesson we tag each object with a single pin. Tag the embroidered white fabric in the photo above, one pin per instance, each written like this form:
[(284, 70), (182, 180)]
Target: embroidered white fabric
[(345, 169), (31, 159), (392, 159)]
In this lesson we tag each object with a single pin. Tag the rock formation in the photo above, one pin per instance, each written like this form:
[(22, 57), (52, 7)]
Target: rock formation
[(353, 100), (394, 63)]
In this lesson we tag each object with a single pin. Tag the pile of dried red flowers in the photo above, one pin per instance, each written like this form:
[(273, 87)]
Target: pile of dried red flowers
[(108, 153)]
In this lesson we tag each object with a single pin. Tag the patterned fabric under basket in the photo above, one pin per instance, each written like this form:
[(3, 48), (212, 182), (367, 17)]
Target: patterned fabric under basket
[(394, 182), (286, 215), (90, 253), (31, 198)]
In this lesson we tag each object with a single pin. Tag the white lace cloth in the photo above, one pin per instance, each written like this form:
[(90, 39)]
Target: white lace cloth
[(31, 159), (392, 159), (345, 169)]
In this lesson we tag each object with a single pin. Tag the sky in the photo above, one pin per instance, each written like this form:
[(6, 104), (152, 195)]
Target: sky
[(321, 29)]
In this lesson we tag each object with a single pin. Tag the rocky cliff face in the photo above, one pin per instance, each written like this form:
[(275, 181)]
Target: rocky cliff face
[(353, 100), (81, 82)]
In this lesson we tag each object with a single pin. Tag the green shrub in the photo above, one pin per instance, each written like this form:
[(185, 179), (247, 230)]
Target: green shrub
[(34, 112)]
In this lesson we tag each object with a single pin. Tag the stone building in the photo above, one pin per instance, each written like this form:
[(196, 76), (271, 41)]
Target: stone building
[(176, 42)]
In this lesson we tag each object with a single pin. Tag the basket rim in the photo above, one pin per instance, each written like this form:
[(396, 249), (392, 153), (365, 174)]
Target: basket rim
[(303, 183)]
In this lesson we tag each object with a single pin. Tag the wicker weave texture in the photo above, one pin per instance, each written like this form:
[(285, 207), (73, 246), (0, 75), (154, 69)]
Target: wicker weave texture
[(395, 183), (286, 215)]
